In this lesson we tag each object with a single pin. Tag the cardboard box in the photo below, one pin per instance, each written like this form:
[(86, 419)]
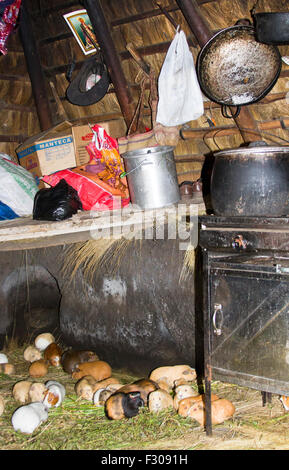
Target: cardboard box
[(49, 151), (61, 147), (82, 136)]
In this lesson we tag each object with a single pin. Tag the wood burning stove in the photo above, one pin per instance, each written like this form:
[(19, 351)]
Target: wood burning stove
[(245, 303)]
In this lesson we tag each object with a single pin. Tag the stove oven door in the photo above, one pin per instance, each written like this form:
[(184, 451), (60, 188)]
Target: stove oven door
[(249, 321)]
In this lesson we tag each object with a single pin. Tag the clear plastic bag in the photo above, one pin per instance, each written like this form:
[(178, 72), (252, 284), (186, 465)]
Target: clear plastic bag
[(180, 96), (17, 186)]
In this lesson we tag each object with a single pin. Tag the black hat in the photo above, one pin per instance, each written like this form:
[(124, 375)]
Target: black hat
[(80, 92)]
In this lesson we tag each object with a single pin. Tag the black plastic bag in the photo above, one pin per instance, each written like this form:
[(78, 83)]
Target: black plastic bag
[(57, 203)]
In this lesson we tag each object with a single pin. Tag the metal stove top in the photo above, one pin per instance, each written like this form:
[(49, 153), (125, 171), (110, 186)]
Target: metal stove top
[(244, 234)]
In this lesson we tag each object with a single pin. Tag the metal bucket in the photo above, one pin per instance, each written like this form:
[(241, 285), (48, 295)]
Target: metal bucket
[(152, 177)]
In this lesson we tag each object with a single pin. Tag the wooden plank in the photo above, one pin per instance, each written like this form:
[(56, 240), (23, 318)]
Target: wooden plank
[(26, 233), (12, 77), (13, 138)]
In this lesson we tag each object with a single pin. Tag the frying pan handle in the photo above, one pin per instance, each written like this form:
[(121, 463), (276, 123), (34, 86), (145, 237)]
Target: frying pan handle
[(231, 115)]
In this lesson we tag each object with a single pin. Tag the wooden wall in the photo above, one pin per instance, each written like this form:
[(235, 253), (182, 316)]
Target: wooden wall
[(142, 23)]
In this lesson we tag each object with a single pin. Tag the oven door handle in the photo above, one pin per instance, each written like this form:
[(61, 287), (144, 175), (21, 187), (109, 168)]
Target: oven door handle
[(218, 309)]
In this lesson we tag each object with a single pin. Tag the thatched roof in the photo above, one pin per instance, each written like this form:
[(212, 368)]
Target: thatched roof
[(144, 24)]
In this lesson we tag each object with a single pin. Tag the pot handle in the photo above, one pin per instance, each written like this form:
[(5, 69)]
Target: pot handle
[(232, 115), (243, 21)]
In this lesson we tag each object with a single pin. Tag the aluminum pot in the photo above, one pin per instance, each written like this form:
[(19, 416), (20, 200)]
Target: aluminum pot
[(234, 69), (152, 176), (252, 181)]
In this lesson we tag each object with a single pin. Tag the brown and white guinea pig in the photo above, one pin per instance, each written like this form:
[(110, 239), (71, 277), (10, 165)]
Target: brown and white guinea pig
[(8, 369), (71, 358), (123, 405), (187, 403), (171, 375), (143, 386), (52, 354), (222, 409), (99, 370)]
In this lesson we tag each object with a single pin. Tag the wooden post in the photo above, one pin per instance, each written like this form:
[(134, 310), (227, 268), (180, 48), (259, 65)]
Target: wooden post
[(35, 70), (190, 10), (111, 59)]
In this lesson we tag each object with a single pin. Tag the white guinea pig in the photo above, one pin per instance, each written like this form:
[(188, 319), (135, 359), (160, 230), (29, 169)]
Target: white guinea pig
[(43, 340), (28, 417), (3, 358)]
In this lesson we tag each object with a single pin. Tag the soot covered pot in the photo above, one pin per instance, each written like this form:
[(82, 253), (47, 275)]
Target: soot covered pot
[(251, 181)]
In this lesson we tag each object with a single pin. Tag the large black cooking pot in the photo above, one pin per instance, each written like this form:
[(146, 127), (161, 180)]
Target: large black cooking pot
[(252, 181), (234, 69), (272, 27)]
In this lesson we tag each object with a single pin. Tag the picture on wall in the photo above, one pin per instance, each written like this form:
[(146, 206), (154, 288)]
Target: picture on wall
[(80, 25)]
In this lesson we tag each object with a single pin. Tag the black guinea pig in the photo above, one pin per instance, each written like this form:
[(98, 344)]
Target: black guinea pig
[(71, 358), (123, 405), (144, 386)]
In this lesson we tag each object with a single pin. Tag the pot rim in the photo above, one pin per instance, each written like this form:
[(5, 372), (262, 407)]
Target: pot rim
[(148, 151), (258, 151), (268, 14)]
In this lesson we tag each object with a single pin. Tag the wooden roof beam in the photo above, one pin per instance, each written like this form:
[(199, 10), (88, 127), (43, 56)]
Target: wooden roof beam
[(34, 69)]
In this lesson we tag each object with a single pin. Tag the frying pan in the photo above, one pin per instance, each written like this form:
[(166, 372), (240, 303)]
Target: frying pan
[(235, 70)]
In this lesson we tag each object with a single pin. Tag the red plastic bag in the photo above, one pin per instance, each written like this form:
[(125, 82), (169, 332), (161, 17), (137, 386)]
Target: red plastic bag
[(98, 183), (92, 195)]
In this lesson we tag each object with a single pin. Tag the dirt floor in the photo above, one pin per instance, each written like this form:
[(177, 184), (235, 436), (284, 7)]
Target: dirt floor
[(78, 424)]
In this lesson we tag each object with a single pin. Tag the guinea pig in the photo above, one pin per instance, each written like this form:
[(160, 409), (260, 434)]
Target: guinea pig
[(111, 382), (52, 354), (37, 392), (28, 417), (186, 403), (123, 405), (43, 340), (160, 400), (20, 391), (7, 369), (99, 370), (171, 374), (2, 405), (32, 354), (144, 386), (183, 391), (3, 358), (55, 394), (221, 410), (84, 388), (101, 395), (71, 358), (38, 368)]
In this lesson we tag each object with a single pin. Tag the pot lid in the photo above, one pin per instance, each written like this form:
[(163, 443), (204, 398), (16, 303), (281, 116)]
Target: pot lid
[(262, 150)]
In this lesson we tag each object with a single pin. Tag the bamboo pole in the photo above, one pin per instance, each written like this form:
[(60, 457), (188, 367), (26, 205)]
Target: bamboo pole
[(221, 131)]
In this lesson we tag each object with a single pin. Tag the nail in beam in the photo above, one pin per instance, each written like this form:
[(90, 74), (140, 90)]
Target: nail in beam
[(111, 59)]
